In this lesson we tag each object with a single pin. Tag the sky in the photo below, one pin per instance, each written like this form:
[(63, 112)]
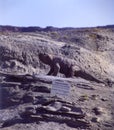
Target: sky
[(57, 13)]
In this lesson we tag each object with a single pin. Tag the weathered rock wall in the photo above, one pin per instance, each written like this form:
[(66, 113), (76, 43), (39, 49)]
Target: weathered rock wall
[(19, 51)]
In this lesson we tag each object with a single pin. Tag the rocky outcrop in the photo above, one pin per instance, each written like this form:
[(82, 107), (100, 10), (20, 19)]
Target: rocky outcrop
[(91, 48), (26, 101)]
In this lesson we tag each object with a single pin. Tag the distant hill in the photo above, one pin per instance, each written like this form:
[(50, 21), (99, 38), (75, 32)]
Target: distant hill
[(35, 28)]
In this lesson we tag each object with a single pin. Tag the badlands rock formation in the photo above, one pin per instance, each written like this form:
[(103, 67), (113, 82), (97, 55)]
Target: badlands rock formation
[(25, 89)]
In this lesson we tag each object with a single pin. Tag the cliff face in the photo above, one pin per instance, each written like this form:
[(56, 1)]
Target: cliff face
[(91, 48)]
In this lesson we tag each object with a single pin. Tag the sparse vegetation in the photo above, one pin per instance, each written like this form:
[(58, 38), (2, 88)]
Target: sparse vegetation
[(93, 36)]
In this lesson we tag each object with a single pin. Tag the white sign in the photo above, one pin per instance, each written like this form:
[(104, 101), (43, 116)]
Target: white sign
[(60, 88)]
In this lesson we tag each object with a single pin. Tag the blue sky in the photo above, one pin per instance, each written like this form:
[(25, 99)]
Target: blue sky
[(58, 13)]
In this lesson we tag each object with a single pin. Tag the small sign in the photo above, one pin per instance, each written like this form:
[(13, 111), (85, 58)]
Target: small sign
[(60, 88)]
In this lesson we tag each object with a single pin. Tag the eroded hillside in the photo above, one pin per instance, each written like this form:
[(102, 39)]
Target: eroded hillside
[(91, 48), (26, 99)]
